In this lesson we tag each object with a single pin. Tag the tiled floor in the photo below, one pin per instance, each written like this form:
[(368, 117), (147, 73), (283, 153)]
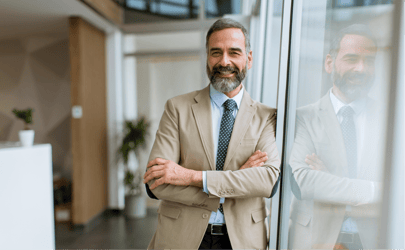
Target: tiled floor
[(114, 232)]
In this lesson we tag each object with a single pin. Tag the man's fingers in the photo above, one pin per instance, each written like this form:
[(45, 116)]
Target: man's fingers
[(156, 161), (314, 167), (255, 160), (317, 160), (153, 175), (259, 162), (152, 171), (257, 155), (157, 183), (152, 162), (311, 157), (309, 161)]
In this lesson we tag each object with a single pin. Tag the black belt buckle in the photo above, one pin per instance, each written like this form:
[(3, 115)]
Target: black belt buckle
[(347, 237), (217, 229)]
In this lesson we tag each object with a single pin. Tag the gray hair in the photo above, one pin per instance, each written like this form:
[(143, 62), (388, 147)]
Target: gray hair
[(226, 23), (355, 29)]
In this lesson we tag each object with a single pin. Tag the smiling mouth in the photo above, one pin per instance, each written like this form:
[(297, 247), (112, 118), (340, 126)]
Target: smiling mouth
[(356, 81), (226, 73)]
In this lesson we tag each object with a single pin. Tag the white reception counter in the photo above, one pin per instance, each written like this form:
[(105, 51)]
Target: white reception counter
[(26, 195)]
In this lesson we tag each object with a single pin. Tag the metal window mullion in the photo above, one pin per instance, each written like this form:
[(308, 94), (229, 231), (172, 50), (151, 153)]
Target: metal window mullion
[(392, 218), (267, 48), (290, 101), (281, 107), (259, 24)]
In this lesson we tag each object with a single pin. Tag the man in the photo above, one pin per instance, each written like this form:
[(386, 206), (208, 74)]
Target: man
[(201, 133), (336, 156)]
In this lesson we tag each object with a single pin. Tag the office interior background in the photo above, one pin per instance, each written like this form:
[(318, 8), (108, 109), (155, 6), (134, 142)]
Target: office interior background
[(87, 66)]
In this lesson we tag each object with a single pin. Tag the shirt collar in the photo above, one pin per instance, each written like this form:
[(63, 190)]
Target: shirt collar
[(219, 98), (357, 105)]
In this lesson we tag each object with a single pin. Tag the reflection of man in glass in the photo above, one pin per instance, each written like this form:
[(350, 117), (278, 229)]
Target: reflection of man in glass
[(335, 158)]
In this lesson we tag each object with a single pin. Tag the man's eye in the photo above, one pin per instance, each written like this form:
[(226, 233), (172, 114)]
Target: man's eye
[(370, 60)]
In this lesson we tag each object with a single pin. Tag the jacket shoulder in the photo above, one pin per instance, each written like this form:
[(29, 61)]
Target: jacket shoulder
[(183, 102), (188, 97), (264, 110), (309, 110)]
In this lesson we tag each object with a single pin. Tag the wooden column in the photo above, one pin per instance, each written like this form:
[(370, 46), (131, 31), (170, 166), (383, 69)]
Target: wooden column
[(89, 132)]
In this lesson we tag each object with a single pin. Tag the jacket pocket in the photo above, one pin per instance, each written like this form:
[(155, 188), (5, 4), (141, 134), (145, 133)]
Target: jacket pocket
[(303, 219), (259, 215), (168, 211)]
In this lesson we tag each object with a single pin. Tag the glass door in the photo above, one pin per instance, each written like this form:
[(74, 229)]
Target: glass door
[(334, 128)]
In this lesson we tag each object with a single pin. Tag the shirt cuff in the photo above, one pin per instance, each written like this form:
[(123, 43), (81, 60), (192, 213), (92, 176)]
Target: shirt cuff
[(205, 188), (377, 192)]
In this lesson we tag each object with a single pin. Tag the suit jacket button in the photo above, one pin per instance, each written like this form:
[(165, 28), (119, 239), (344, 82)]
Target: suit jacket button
[(205, 216)]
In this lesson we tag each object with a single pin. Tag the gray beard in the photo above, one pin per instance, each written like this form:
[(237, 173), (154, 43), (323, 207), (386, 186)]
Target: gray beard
[(225, 85), (353, 91)]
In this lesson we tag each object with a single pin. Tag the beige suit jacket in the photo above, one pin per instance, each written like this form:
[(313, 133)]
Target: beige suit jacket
[(317, 215), (185, 137)]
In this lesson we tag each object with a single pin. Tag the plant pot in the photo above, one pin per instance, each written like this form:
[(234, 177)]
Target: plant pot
[(26, 137), (135, 206)]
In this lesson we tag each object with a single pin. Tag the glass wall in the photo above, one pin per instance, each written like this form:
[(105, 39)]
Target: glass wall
[(333, 161), (326, 65), (166, 10), (219, 8)]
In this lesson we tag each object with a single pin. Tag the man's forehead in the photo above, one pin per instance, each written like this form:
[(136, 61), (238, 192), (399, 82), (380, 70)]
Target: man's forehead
[(357, 44), (228, 35)]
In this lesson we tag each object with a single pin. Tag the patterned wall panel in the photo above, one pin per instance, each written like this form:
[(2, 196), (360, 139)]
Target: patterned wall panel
[(35, 72)]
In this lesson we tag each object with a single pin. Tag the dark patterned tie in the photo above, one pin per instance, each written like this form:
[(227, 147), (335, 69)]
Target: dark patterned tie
[(349, 136), (225, 133)]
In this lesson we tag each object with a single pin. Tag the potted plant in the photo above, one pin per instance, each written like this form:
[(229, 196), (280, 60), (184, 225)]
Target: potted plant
[(27, 135), (135, 134)]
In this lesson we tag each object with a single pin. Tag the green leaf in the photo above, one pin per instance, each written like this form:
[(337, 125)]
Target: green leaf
[(25, 115)]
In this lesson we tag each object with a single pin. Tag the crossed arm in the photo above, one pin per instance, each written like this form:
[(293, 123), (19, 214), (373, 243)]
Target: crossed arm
[(169, 172), (316, 182), (172, 182)]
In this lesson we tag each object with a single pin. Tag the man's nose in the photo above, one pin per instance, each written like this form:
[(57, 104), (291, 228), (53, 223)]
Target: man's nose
[(225, 60), (360, 66)]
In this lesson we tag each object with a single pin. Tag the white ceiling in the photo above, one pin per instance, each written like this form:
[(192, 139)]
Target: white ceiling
[(22, 18)]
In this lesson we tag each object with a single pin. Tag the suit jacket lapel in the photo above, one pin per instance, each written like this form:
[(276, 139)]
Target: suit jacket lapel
[(203, 119), (331, 124), (242, 121)]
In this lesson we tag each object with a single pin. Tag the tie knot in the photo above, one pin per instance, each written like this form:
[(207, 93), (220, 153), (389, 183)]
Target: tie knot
[(230, 105), (347, 111)]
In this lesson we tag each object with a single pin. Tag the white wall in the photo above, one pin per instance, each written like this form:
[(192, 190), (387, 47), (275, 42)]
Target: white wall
[(159, 66)]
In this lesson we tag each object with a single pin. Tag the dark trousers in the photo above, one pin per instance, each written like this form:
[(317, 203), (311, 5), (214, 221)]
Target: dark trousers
[(215, 241)]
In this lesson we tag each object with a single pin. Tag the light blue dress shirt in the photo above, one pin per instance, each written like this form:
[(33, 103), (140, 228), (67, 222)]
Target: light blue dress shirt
[(358, 106), (217, 110)]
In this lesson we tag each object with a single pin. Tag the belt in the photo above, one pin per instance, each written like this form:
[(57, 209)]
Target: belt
[(347, 237), (215, 229), (350, 240)]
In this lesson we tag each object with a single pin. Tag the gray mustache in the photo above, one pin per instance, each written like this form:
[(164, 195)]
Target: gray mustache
[(221, 69)]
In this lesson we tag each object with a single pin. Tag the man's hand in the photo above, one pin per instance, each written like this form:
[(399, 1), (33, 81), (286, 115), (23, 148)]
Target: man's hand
[(168, 172), (315, 163), (257, 159)]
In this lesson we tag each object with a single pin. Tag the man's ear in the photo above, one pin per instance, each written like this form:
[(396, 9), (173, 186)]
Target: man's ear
[(250, 60), (328, 63)]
